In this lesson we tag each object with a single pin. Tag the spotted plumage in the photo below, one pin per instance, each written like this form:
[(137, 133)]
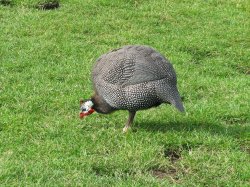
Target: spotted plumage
[(134, 78)]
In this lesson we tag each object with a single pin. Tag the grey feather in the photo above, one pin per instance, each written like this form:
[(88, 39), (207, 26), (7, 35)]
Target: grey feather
[(136, 77)]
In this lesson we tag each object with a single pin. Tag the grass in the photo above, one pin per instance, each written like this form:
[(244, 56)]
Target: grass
[(45, 68)]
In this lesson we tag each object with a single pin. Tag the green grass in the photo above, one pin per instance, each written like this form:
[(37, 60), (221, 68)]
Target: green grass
[(45, 68)]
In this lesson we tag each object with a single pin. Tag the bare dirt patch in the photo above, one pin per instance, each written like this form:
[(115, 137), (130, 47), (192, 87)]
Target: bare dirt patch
[(6, 2), (172, 154), (168, 173), (49, 5)]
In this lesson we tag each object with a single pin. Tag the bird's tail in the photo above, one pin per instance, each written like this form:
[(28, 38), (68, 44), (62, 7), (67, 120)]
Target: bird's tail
[(170, 94), (178, 103)]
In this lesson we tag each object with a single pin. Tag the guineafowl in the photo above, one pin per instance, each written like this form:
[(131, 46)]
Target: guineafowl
[(132, 78)]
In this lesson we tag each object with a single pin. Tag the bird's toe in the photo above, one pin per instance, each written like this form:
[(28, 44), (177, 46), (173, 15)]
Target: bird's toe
[(125, 129)]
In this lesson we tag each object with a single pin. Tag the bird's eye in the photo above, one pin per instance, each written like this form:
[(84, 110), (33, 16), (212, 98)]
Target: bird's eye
[(83, 109)]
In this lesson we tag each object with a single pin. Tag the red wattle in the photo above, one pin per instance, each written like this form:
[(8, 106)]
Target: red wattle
[(82, 114), (91, 111)]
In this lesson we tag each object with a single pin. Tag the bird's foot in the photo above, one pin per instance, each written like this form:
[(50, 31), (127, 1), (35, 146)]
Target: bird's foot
[(125, 129)]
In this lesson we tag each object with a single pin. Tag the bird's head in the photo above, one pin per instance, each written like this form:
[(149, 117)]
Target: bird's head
[(86, 108)]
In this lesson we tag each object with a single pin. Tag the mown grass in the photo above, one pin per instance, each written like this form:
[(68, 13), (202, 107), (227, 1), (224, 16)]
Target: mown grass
[(46, 59)]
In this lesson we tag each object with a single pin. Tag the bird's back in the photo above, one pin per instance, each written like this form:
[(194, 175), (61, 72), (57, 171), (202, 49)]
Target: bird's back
[(132, 65)]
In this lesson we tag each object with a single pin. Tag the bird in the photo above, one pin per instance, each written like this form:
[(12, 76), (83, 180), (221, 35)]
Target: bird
[(132, 78)]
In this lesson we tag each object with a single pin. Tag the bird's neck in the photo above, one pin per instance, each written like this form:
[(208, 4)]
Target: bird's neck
[(100, 105)]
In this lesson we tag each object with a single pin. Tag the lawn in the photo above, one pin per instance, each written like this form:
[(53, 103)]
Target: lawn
[(46, 57)]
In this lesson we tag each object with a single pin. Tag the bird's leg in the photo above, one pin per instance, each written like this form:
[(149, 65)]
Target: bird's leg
[(130, 121)]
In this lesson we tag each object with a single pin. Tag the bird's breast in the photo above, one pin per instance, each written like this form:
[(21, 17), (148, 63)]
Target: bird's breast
[(131, 97)]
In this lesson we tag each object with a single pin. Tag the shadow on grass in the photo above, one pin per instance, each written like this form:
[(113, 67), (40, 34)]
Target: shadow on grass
[(237, 131)]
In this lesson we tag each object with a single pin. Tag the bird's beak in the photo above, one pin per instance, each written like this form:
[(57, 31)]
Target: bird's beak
[(83, 114)]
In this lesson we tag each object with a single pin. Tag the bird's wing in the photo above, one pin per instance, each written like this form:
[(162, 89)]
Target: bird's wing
[(132, 65)]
